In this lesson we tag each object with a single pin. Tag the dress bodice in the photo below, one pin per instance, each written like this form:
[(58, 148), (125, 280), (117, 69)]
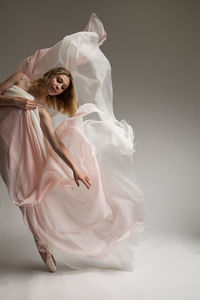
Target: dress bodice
[(25, 92)]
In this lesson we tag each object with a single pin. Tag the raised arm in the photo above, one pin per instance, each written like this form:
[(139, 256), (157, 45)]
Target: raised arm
[(6, 84), (59, 147)]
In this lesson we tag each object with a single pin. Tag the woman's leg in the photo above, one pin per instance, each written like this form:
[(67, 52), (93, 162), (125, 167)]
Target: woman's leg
[(46, 256)]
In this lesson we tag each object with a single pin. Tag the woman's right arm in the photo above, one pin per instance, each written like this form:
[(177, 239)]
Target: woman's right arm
[(19, 102), (15, 77), (7, 101)]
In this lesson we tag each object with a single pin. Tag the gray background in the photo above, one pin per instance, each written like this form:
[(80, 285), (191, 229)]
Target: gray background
[(153, 48)]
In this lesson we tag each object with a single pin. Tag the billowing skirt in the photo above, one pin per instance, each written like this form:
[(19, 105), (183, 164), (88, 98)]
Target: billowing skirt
[(84, 228)]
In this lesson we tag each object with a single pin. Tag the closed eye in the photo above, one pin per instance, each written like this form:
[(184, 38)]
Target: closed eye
[(60, 80)]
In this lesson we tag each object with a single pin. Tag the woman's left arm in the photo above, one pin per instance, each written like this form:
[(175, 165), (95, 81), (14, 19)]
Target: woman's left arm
[(59, 147)]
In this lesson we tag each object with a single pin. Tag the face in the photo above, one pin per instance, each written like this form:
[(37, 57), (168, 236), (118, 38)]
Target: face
[(57, 84)]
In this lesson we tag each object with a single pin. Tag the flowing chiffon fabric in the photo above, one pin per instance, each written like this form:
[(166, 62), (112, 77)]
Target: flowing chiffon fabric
[(96, 228)]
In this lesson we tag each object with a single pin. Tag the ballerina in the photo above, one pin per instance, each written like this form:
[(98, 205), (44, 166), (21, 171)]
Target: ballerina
[(55, 82), (47, 147)]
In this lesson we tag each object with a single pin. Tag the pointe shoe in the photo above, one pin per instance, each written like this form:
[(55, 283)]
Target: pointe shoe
[(50, 261), (46, 256)]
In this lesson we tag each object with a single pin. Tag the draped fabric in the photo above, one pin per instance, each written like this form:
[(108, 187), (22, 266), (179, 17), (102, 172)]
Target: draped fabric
[(96, 228)]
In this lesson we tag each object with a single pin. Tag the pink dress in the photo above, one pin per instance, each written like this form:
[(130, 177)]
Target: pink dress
[(96, 228)]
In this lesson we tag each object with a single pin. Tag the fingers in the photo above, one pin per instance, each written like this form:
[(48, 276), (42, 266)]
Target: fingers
[(76, 180), (87, 182), (30, 105), (85, 179)]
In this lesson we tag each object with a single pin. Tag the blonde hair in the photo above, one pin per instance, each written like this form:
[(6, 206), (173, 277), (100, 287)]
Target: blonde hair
[(66, 102)]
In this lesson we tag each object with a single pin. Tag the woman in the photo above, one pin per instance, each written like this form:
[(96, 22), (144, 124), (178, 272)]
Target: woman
[(47, 146), (56, 82), (55, 88)]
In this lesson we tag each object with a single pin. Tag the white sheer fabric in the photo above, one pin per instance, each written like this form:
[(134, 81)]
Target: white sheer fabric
[(86, 229)]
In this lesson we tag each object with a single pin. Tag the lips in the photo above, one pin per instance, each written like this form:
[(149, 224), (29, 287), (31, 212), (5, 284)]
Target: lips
[(53, 89)]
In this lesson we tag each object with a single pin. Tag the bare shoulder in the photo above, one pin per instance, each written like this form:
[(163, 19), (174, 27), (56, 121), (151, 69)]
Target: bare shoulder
[(22, 80), (43, 113), (15, 77), (24, 76)]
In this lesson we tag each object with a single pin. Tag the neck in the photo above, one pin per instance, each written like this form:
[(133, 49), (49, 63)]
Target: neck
[(37, 94)]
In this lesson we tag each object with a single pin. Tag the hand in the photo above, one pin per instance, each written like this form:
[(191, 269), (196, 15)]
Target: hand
[(80, 176), (25, 103)]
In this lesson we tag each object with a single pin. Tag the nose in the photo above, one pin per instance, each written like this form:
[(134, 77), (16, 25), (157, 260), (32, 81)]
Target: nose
[(57, 87)]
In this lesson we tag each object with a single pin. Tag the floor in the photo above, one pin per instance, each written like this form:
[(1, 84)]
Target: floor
[(167, 268)]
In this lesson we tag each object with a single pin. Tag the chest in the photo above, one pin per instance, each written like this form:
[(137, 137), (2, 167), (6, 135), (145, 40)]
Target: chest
[(24, 83)]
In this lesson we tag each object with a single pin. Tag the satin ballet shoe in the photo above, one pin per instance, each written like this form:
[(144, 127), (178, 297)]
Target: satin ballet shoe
[(50, 261), (46, 256)]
